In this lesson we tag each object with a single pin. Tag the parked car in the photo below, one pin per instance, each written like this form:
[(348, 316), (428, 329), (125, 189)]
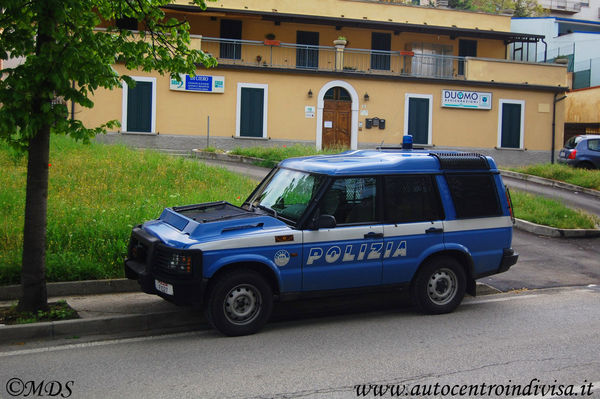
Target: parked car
[(582, 152), (430, 222)]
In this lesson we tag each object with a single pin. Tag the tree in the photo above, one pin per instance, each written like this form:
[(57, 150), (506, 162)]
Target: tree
[(520, 8), (67, 58)]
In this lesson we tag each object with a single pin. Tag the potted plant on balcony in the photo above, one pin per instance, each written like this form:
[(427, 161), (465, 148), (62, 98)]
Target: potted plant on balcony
[(270, 40), (340, 41)]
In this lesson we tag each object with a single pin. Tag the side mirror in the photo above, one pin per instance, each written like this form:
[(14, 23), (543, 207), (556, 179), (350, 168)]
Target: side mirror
[(326, 222)]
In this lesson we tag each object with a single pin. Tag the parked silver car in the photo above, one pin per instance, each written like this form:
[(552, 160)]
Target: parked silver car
[(582, 152)]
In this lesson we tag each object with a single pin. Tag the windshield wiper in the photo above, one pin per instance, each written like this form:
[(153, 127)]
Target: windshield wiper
[(267, 209)]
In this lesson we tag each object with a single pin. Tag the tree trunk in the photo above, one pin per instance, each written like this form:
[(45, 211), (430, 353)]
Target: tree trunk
[(33, 274)]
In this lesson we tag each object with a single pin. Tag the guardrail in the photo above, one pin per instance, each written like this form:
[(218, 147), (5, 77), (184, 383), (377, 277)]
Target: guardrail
[(274, 54)]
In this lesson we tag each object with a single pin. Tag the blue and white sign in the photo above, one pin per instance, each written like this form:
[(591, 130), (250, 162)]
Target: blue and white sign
[(466, 99), (199, 83)]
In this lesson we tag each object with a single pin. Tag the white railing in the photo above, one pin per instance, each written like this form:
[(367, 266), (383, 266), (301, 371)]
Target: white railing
[(272, 54)]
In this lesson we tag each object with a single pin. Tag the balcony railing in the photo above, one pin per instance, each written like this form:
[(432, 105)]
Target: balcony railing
[(324, 58), (562, 5)]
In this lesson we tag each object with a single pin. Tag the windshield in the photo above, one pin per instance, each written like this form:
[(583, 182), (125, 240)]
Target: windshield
[(286, 194)]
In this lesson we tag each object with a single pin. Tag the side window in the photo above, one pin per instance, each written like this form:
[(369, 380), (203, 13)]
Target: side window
[(351, 200), (594, 145), (411, 199), (474, 195)]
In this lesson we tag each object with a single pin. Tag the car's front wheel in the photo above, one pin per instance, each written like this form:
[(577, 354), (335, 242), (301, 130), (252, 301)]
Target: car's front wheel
[(439, 286), (240, 303)]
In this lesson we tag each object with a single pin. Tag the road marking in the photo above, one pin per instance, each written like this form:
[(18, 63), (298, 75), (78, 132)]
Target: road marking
[(595, 387), (94, 344), (512, 298)]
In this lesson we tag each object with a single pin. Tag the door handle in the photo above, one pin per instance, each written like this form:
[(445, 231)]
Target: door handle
[(373, 235), (434, 230)]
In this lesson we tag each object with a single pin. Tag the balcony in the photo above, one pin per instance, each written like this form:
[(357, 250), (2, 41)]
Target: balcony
[(565, 6), (273, 54)]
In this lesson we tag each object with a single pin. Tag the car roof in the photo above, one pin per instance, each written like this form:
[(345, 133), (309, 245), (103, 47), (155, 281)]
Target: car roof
[(386, 161)]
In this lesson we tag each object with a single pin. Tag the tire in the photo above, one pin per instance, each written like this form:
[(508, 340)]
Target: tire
[(439, 286), (239, 303)]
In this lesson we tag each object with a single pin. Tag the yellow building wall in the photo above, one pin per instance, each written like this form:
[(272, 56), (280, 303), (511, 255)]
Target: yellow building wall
[(583, 106), (184, 113), (369, 10), (516, 72)]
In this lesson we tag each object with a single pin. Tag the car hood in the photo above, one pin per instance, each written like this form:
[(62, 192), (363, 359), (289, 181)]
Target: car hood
[(198, 225)]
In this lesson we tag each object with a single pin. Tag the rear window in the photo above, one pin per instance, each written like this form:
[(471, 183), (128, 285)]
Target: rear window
[(474, 195), (572, 142)]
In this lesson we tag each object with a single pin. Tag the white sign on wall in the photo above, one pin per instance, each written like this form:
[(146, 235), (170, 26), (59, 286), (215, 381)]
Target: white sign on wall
[(199, 83), (309, 111), (466, 99)]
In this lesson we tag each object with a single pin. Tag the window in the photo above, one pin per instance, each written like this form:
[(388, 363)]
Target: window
[(474, 195), (231, 31), (139, 106), (252, 110), (510, 120), (288, 193), (307, 51), (594, 145), (429, 60), (417, 117), (411, 199), (381, 43), (351, 201)]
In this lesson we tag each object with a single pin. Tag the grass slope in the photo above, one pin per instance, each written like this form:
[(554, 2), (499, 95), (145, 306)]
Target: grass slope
[(97, 193)]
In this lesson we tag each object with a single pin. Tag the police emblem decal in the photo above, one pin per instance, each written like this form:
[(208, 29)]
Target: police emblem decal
[(282, 258)]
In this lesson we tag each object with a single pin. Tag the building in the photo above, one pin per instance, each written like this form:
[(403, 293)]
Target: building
[(577, 41), (582, 108), (346, 73)]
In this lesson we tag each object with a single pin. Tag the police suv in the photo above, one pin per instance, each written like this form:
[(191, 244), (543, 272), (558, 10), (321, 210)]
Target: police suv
[(432, 222)]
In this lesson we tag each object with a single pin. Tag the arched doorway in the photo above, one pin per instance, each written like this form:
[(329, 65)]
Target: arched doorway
[(337, 108), (337, 116)]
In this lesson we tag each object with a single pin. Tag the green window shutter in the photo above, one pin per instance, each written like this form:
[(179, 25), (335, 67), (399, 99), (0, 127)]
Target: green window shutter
[(511, 126), (251, 115), (418, 119), (139, 107)]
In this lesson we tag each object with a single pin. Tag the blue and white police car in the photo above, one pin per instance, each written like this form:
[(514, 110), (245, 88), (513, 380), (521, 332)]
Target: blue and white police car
[(431, 222)]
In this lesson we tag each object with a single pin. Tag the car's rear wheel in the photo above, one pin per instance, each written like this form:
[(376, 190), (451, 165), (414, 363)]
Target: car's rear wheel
[(439, 286), (240, 303)]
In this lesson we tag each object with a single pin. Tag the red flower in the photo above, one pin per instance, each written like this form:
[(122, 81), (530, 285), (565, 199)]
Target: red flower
[(49, 164)]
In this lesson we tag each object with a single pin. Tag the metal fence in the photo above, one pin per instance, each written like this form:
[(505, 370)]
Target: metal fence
[(325, 58)]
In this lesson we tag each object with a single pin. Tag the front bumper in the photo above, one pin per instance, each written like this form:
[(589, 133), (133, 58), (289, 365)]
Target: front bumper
[(186, 290)]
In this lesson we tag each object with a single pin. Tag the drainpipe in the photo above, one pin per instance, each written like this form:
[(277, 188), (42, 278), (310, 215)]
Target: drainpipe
[(545, 51), (556, 100)]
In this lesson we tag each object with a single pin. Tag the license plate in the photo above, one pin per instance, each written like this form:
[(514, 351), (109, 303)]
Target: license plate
[(163, 287), (563, 154)]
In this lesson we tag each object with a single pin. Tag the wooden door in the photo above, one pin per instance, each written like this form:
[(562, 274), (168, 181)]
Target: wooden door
[(336, 123)]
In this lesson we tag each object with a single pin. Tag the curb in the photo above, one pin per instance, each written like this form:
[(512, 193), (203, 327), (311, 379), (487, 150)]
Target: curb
[(70, 288), (225, 157), (555, 232), (550, 183), (181, 318), (184, 318)]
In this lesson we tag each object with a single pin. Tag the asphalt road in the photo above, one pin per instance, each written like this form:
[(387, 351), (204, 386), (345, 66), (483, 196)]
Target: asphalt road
[(548, 337), (550, 262)]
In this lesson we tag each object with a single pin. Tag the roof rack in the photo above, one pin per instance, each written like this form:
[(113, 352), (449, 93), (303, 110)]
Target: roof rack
[(461, 160)]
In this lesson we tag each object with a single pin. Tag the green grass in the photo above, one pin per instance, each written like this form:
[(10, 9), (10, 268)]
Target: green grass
[(550, 212), (56, 311), (271, 156), (579, 177), (97, 193)]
